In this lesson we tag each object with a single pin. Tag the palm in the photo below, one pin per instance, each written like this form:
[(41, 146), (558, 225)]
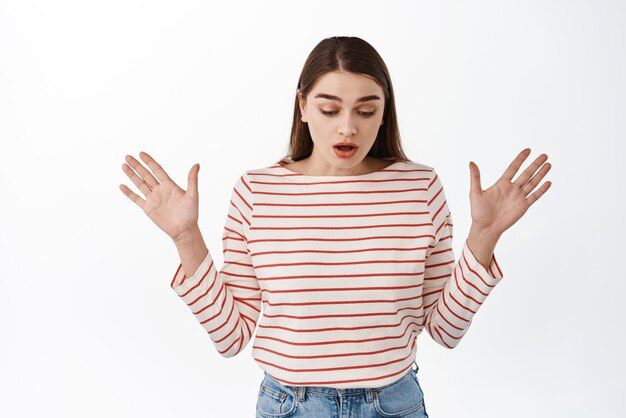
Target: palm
[(173, 209), (497, 208)]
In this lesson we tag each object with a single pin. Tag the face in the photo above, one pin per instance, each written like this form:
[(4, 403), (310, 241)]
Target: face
[(342, 107)]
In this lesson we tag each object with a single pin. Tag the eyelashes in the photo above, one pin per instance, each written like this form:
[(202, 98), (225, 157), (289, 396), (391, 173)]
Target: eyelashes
[(332, 113)]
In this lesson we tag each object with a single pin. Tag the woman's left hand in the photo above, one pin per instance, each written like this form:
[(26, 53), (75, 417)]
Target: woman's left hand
[(496, 209)]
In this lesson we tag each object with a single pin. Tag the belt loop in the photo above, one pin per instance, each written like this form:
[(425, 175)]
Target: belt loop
[(369, 396)]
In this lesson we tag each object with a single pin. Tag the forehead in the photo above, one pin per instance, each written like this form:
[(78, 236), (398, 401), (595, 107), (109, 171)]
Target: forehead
[(348, 86)]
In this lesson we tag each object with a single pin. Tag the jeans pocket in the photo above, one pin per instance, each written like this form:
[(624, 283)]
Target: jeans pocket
[(414, 374), (274, 401), (401, 398)]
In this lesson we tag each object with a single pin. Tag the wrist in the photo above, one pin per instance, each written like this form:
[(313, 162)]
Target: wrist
[(187, 236), (482, 243), (485, 234)]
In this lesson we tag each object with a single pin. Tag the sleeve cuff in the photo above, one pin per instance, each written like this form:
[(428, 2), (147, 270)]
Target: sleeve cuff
[(490, 276), (181, 284)]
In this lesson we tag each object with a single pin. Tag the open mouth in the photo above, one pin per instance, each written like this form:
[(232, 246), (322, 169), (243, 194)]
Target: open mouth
[(345, 151)]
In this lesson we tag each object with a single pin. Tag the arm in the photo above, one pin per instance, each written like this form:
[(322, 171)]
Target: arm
[(191, 250), (227, 303), (482, 244), (453, 291)]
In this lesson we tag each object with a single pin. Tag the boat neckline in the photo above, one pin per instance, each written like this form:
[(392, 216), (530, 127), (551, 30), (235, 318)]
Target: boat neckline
[(340, 177)]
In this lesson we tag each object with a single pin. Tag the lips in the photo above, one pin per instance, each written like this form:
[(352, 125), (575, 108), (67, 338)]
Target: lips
[(345, 150), (345, 146)]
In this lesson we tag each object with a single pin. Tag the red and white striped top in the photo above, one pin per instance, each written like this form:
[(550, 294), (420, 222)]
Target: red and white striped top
[(348, 269)]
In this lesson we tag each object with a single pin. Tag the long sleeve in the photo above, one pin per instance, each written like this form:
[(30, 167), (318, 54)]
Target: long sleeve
[(227, 303), (453, 291)]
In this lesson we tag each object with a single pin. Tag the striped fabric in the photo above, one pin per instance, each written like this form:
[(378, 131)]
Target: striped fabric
[(348, 269)]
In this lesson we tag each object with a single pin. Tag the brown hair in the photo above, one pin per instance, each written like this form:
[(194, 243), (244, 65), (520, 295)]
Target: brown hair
[(352, 54)]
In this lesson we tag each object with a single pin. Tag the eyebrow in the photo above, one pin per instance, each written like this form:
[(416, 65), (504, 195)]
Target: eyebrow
[(337, 99)]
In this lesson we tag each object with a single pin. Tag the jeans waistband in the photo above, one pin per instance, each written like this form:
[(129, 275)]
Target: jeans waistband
[(300, 391)]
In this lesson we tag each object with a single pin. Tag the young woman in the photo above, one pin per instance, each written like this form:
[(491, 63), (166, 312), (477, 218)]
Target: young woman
[(345, 243)]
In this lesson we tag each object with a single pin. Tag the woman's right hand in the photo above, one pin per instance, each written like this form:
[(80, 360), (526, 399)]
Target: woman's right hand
[(173, 209)]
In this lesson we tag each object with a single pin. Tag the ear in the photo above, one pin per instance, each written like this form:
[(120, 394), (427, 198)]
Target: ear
[(302, 104)]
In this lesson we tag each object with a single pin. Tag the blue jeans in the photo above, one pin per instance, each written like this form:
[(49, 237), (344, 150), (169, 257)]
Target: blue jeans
[(402, 398)]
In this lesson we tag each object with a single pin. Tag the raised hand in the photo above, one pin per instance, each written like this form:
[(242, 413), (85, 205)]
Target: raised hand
[(173, 209), (496, 209)]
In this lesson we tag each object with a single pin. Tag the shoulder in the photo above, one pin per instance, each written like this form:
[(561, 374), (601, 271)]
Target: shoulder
[(414, 166), (258, 172), (424, 172), (250, 177)]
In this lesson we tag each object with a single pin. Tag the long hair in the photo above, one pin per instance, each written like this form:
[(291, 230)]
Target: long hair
[(352, 54)]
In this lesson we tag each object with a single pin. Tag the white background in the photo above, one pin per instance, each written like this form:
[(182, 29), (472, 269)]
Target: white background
[(88, 324)]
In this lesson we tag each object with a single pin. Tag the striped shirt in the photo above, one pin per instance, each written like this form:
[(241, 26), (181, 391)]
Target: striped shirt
[(348, 270)]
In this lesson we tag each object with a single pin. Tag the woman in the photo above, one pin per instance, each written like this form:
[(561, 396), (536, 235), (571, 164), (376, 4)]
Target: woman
[(345, 242)]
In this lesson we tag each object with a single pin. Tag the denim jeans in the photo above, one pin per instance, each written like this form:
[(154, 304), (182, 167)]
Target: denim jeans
[(402, 398)]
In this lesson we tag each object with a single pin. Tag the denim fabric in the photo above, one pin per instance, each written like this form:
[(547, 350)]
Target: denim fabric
[(402, 398)]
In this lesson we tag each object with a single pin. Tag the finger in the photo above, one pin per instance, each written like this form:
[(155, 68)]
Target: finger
[(192, 180), (474, 178), (530, 171), (515, 164), (154, 166), (132, 196), (145, 175), (528, 187), (138, 181), (535, 196)]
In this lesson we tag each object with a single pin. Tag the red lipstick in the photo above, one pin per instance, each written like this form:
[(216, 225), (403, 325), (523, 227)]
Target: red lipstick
[(345, 149)]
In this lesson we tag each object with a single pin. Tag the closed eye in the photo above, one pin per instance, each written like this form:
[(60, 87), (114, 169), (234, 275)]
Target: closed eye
[(331, 113)]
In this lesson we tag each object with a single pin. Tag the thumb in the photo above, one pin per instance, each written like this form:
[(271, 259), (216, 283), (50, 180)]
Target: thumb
[(192, 179), (475, 186)]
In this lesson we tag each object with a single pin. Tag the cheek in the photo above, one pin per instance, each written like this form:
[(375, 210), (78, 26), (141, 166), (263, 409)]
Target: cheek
[(372, 125), (320, 127)]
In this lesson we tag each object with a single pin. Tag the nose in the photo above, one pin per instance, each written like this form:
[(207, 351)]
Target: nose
[(348, 126)]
